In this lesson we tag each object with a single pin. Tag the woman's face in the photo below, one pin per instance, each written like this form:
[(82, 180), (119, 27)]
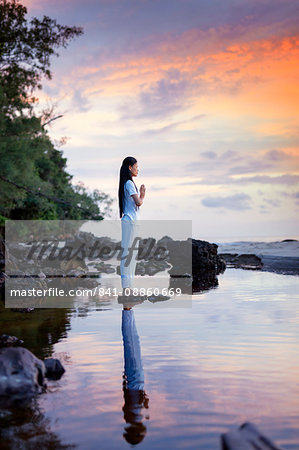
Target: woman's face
[(134, 170)]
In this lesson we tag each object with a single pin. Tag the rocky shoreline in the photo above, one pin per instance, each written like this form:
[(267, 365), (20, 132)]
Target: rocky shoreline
[(22, 374), (280, 256), (191, 262)]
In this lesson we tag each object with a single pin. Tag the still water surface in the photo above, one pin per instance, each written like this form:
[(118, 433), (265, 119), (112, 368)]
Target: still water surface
[(231, 358)]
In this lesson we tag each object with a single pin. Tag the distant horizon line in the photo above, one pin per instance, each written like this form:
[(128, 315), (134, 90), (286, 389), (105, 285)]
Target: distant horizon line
[(256, 238)]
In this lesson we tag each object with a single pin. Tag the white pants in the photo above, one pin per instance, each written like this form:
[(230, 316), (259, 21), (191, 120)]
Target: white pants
[(132, 354), (128, 260)]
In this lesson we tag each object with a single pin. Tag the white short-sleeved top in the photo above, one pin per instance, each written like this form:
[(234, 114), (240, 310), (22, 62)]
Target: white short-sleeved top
[(129, 206)]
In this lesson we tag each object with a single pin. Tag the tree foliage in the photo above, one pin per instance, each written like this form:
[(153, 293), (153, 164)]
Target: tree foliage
[(34, 183), (25, 51)]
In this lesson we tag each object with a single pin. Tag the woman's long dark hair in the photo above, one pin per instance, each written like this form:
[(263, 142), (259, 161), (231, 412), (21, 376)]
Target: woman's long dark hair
[(124, 175)]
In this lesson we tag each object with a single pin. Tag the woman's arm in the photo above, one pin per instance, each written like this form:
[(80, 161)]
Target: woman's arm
[(139, 198)]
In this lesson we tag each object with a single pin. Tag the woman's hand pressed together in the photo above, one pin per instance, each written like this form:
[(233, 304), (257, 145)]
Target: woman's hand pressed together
[(142, 191)]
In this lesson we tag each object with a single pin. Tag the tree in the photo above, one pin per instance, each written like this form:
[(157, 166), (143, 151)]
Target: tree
[(33, 181), (25, 51)]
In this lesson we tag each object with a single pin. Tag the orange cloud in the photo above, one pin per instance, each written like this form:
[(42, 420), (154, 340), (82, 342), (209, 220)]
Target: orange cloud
[(269, 64)]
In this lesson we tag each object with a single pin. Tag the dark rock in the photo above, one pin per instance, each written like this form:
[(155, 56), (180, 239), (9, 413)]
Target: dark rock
[(244, 261), (52, 272), (286, 265), (104, 268), (22, 375), (162, 243), (146, 249), (54, 368), (229, 258), (190, 259), (22, 310), (76, 273), (206, 265), (8, 341), (196, 260), (158, 298), (180, 257), (2, 253), (3, 276), (151, 267), (140, 269), (185, 284), (247, 437), (249, 261), (95, 247)]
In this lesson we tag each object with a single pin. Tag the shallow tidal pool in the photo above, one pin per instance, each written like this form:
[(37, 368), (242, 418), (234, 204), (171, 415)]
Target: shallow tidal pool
[(231, 357)]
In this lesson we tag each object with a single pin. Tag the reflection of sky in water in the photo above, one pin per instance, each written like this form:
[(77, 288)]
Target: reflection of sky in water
[(232, 357)]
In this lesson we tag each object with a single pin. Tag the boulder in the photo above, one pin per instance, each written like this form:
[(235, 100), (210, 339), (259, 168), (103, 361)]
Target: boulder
[(193, 260), (54, 368), (243, 261), (190, 259), (22, 375), (206, 265)]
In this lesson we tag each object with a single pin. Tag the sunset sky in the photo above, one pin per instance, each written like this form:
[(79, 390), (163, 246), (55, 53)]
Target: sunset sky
[(204, 94)]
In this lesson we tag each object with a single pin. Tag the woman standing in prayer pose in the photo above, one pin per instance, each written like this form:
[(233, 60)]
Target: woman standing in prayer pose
[(130, 199)]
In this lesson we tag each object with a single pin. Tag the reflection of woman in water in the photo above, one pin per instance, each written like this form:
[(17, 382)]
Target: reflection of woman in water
[(130, 199), (133, 385)]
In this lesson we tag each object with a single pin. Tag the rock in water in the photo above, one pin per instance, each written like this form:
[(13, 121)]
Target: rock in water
[(243, 261), (206, 265), (22, 375), (54, 368), (247, 437)]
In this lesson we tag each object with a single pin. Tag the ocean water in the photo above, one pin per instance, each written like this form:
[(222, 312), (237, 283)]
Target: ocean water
[(248, 239), (232, 357)]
